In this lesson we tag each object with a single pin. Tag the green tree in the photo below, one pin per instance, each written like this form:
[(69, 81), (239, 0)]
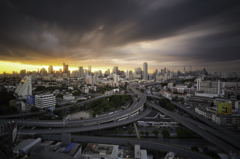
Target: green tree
[(120, 131), (188, 133), (175, 98), (34, 109), (115, 131), (94, 114), (155, 132), (59, 96), (170, 106), (165, 133), (130, 131), (146, 133), (142, 132), (180, 133)]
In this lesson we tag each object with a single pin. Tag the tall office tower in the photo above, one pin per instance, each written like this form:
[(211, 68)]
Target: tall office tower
[(43, 72), (137, 73), (64, 67), (115, 77), (165, 70), (25, 86), (130, 72), (81, 71), (85, 72), (107, 72), (184, 69), (115, 70), (145, 71), (50, 69), (89, 69), (127, 74), (23, 73)]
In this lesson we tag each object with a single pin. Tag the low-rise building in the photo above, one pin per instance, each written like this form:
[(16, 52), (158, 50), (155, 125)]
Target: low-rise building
[(45, 101), (68, 97)]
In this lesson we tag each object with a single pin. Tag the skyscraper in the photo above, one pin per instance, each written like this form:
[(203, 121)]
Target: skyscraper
[(137, 73), (65, 68), (145, 71), (81, 71), (23, 73), (115, 70), (127, 74), (50, 69), (89, 69), (107, 72)]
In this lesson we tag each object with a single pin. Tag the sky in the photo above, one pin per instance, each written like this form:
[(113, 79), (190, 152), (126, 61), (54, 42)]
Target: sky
[(123, 33)]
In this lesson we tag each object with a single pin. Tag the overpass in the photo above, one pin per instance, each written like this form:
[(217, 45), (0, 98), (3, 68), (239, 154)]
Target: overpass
[(128, 113), (205, 120), (82, 128), (226, 147)]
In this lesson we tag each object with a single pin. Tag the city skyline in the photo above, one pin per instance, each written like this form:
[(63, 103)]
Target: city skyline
[(85, 33)]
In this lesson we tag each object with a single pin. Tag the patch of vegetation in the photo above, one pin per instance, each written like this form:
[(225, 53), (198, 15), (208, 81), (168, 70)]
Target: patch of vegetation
[(155, 132), (8, 110), (5, 96), (106, 104), (59, 96), (165, 133), (166, 103), (34, 109)]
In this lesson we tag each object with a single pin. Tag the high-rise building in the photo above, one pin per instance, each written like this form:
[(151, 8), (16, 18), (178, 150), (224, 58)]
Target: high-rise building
[(50, 69), (115, 78), (25, 86), (43, 72), (145, 71), (23, 73), (127, 74), (130, 72), (137, 73), (65, 68), (89, 69), (115, 70), (107, 72), (81, 71)]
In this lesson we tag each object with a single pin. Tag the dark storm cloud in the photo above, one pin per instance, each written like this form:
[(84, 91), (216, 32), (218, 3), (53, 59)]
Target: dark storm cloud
[(82, 30)]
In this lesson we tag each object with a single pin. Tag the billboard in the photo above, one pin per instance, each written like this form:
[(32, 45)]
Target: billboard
[(30, 100), (224, 108)]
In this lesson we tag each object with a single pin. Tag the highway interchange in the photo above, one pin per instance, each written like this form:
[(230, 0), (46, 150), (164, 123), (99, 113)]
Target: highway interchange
[(111, 121)]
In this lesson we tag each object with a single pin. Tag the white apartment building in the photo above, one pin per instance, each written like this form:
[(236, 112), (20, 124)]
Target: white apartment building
[(145, 71), (45, 101), (24, 87)]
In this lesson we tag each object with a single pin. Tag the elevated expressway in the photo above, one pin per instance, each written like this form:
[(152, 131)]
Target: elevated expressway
[(226, 147), (132, 111), (212, 125), (191, 125)]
